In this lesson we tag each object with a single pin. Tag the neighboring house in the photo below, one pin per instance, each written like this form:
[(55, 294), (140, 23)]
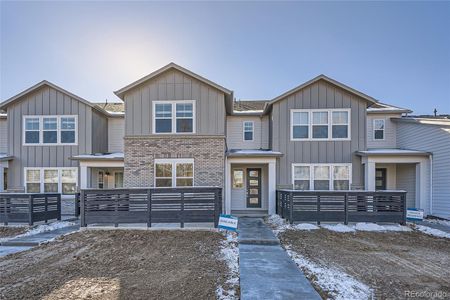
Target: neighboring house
[(176, 129)]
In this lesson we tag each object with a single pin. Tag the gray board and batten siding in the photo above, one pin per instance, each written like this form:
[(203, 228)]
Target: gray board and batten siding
[(319, 95), (173, 85), (47, 100)]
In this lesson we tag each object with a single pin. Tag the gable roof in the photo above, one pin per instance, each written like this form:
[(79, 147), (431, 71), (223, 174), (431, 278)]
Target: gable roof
[(35, 87), (314, 80), (120, 93), (249, 105), (382, 108)]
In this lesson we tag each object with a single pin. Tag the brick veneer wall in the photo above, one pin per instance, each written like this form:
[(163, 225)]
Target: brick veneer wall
[(208, 153)]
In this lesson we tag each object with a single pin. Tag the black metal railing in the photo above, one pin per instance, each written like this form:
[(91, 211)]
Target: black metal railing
[(29, 208), (151, 205), (342, 206)]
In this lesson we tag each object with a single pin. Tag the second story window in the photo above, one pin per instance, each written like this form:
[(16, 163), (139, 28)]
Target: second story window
[(378, 129), (50, 130), (173, 117), (339, 124), (320, 125), (248, 131)]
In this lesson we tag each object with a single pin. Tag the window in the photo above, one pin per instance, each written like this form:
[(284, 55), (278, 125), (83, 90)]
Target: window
[(51, 180), (321, 176), (118, 180), (301, 177), (50, 130), (300, 125), (101, 180), (248, 131), (174, 116), (67, 130), (174, 172), (339, 124), (320, 124), (32, 131), (33, 181), (378, 129), (238, 179), (68, 181)]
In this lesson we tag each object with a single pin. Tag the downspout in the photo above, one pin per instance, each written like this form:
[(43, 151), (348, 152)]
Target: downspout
[(431, 184)]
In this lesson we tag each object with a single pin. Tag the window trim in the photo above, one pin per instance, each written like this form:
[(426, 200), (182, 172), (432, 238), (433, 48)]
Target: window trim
[(310, 124), (244, 131), (331, 174), (41, 130), (384, 129), (173, 116), (41, 177), (173, 162), (103, 179), (243, 179)]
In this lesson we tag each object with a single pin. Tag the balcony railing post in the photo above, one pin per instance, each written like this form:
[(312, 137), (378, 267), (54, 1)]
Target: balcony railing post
[(82, 209), (30, 209)]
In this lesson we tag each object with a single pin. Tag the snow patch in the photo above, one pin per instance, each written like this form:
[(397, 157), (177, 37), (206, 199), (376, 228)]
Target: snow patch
[(280, 225), (338, 284), (230, 254), (41, 229), (437, 221), (339, 228), (432, 231), (381, 228)]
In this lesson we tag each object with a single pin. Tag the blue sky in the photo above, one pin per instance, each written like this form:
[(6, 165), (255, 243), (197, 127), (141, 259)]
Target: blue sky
[(398, 53)]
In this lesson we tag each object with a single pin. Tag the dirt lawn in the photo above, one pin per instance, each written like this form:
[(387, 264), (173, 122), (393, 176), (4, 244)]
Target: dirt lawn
[(390, 263), (11, 231), (117, 264)]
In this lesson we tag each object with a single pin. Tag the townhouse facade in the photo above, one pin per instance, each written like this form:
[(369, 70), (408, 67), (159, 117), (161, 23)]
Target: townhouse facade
[(176, 128)]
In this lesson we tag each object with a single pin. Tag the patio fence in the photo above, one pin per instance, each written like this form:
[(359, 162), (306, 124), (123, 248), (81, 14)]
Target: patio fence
[(151, 205), (342, 206), (29, 208)]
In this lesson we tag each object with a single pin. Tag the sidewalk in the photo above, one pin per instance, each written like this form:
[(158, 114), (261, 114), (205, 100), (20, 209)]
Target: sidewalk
[(39, 238), (266, 271)]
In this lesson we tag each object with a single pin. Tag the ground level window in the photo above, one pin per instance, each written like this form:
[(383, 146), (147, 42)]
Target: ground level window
[(51, 180), (33, 184), (68, 181), (321, 176), (118, 180), (174, 172), (238, 179)]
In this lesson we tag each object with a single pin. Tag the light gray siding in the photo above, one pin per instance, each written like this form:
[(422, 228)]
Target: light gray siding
[(174, 85), (235, 138), (406, 180), (45, 101), (116, 132), (316, 96), (436, 140), (3, 135), (99, 133), (390, 131)]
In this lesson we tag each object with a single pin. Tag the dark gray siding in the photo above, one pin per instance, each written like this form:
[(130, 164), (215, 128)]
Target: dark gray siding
[(316, 96), (99, 133), (174, 85), (45, 101)]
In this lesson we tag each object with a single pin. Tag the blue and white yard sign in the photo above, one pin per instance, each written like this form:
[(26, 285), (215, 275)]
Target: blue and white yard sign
[(414, 214), (228, 222)]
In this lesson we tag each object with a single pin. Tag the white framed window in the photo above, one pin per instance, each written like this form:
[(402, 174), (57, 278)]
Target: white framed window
[(51, 180), (320, 124), (248, 130), (174, 172), (238, 179), (101, 179), (50, 130), (378, 129), (321, 176), (118, 180), (174, 117)]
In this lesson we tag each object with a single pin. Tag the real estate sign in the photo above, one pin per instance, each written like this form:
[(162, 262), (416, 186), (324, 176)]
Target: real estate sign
[(228, 222), (414, 214)]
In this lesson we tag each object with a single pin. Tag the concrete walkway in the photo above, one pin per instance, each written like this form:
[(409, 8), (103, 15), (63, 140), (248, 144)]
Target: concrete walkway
[(266, 271), (438, 226)]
